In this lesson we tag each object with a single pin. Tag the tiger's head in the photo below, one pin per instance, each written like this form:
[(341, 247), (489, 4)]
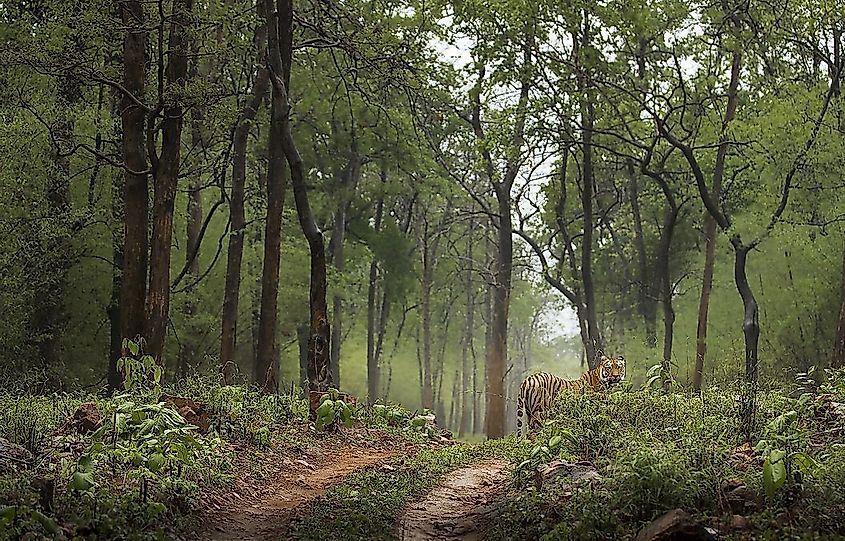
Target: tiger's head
[(611, 370)]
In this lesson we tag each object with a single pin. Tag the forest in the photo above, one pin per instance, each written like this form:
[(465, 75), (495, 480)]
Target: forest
[(285, 269)]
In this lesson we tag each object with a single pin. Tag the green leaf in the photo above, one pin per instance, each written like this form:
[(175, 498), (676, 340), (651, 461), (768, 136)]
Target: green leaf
[(555, 441), (81, 481), (86, 464), (156, 462), (774, 477), (46, 522), (806, 464), (133, 347), (7, 514)]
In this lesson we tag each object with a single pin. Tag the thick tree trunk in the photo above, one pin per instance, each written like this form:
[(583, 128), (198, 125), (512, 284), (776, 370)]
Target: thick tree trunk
[(166, 174), (234, 253), (710, 228), (498, 358), (133, 288), (319, 342), (266, 371), (839, 342)]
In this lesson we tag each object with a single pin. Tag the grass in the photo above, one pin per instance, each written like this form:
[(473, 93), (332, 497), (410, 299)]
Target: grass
[(657, 452), (366, 505)]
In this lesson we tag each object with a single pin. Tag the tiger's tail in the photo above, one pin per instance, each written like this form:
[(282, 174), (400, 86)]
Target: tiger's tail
[(520, 407)]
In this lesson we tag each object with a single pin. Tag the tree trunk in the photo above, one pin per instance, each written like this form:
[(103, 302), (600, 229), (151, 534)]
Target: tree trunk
[(498, 358), (266, 371), (193, 227), (373, 376), (234, 253), (319, 342), (466, 400), (115, 380), (425, 315), (663, 260), (302, 340), (133, 287), (348, 179), (587, 117), (166, 174), (838, 360), (750, 322), (596, 341), (647, 300), (710, 228)]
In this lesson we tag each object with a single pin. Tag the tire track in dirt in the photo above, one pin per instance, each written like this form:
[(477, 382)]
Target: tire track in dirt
[(267, 513), (459, 507)]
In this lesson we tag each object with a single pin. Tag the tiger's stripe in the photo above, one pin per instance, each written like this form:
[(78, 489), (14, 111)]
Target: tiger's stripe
[(538, 391)]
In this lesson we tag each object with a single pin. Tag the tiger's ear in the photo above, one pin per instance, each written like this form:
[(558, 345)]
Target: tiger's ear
[(604, 358), (620, 358)]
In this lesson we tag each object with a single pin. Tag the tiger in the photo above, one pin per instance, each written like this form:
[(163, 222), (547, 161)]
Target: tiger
[(538, 391)]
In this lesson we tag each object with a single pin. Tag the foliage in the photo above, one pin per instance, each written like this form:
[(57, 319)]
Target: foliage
[(658, 451), (332, 409)]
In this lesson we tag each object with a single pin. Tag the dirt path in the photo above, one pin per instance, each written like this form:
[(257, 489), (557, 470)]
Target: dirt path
[(266, 512), (459, 507)]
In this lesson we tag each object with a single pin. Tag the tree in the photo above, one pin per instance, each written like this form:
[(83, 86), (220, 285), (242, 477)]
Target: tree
[(234, 254)]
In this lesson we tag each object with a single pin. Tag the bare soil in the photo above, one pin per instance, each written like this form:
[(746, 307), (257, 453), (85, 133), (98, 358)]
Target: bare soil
[(459, 507), (263, 509)]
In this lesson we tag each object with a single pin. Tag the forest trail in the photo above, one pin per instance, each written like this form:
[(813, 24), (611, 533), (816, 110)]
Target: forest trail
[(458, 507), (265, 512)]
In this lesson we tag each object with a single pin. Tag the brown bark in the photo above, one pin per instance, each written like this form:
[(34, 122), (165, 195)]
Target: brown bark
[(710, 227), (839, 342), (281, 49), (265, 360), (133, 286), (497, 361), (234, 253), (166, 174)]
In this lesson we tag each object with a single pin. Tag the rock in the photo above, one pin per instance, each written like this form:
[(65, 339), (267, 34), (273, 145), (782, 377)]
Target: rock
[(739, 522), (559, 474), (193, 412), (13, 455), (85, 420), (676, 525), (740, 499)]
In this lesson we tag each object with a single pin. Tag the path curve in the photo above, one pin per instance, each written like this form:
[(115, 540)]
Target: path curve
[(459, 507), (267, 515)]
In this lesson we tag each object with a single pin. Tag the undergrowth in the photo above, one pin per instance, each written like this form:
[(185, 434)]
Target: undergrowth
[(656, 452), (140, 474)]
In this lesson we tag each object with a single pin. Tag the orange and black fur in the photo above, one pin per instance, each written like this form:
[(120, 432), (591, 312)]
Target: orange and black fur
[(538, 391)]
